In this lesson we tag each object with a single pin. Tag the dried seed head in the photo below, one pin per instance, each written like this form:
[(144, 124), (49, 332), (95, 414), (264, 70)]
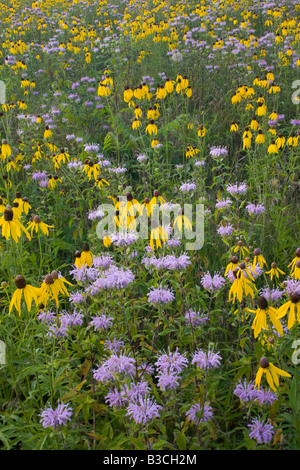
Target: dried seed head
[(264, 363), (8, 214), (240, 243), (20, 282), (295, 297), (262, 303), (129, 196), (86, 247), (49, 279), (18, 194), (247, 259), (25, 199)]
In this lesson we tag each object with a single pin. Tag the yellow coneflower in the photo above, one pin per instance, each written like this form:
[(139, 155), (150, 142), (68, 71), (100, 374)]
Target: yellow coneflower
[(136, 123), (272, 372), (37, 225), (254, 125), (292, 264), (241, 248), (128, 94), (293, 306), (138, 112), (201, 130), (158, 233), (234, 127), (181, 220), (29, 293), (280, 141), (59, 283), (47, 133), (151, 128), (5, 149), (53, 180), (232, 265), (86, 255), (188, 91), (106, 240), (12, 227), (273, 149), (100, 182), (169, 85), (156, 199), (274, 271), (241, 284), (49, 291), (260, 138), (258, 259), (2, 206), (264, 311)]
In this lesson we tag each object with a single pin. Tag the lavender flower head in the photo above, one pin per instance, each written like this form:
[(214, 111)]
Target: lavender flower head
[(56, 418), (143, 410), (212, 284), (261, 431), (204, 414), (158, 296), (205, 361)]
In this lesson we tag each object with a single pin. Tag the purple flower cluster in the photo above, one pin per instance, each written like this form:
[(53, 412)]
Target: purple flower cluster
[(198, 414), (167, 262), (58, 417), (169, 366), (247, 392), (261, 431), (158, 296), (205, 361), (195, 318), (212, 284), (236, 189), (115, 365)]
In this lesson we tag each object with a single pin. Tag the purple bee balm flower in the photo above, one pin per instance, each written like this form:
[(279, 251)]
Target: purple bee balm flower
[(58, 417), (46, 317), (44, 183), (143, 410), (84, 274), (158, 296), (218, 152), (236, 189), (261, 431), (74, 319), (266, 397), (203, 415), (214, 283), (114, 345), (39, 175), (195, 319), (225, 230), (76, 298), (114, 365), (137, 391), (114, 278), (117, 399), (102, 261), (171, 362), (255, 209), (91, 148), (58, 331), (223, 203), (273, 294), (187, 187), (205, 361), (291, 285), (102, 322), (168, 381), (245, 391), (96, 214)]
